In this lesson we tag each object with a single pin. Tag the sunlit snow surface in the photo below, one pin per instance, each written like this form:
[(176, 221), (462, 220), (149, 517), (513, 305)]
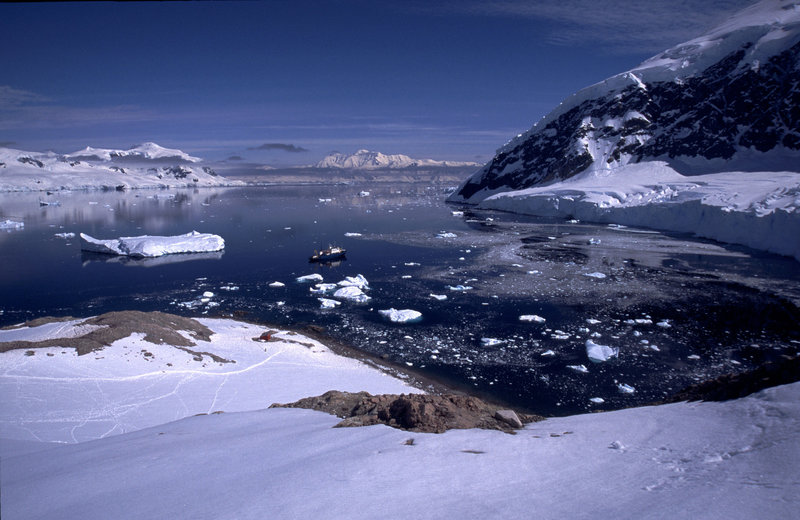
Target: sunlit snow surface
[(733, 460), (52, 394)]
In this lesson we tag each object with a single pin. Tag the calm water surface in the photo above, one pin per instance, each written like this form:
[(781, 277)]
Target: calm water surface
[(679, 310)]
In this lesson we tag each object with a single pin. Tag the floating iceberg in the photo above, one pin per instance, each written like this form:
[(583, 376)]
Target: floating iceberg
[(277, 284), (326, 303), (489, 342), (440, 297), (532, 317), (65, 235), (11, 224), (316, 277), (355, 281), (401, 316), (625, 389), (599, 353), (323, 288), (152, 246), (579, 368), (351, 293)]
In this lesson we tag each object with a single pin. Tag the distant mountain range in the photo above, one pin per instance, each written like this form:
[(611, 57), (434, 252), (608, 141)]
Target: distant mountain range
[(367, 160), (727, 100)]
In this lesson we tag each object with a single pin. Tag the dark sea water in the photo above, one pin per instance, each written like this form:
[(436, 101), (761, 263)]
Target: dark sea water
[(678, 310)]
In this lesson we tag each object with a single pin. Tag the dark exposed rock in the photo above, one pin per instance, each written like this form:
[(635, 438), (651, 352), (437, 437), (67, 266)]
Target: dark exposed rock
[(414, 412), (730, 107)]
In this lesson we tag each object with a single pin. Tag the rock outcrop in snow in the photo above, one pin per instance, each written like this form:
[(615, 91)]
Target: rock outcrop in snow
[(367, 160)]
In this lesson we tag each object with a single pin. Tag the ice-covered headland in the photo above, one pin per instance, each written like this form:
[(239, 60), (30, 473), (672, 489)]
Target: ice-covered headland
[(147, 165), (92, 406), (702, 138)]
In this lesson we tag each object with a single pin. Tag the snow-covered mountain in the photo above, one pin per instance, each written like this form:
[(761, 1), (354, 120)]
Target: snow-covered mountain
[(723, 101), (144, 166), (702, 138), (143, 152), (367, 160)]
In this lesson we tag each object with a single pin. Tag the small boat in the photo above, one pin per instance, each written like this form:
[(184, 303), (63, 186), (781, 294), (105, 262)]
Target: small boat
[(326, 255)]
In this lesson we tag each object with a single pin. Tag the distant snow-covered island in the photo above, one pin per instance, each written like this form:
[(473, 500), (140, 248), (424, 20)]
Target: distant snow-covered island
[(147, 165), (702, 138)]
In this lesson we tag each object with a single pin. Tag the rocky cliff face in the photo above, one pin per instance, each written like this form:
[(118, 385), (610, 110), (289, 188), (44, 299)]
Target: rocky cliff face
[(731, 95)]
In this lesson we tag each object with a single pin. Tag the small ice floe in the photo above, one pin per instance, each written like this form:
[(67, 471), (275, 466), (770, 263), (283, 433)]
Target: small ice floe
[(693, 357), (351, 293), (579, 368), (363, 194), (152, 246), (532, 318), (325, 200), (65, 235), (654, 348), (457, 213), (446, 234), (489, 342), (354, 281), (664, 324), (316, 277), (596, 275), (459, 287), (625, 389), (573, 221), (598, 353), (411, 264), (594, 241), (616, 445), (229, 287), (548, 353), (406, 276), (352, 234), (439, 297), (323, 288), (277, 284), (592, 321), (560, 335), (597, 400), (9, 224), (401, 316), (325, 303), (639, 321)]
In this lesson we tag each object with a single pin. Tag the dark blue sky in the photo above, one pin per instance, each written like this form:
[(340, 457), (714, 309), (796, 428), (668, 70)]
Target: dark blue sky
[(444, 80)]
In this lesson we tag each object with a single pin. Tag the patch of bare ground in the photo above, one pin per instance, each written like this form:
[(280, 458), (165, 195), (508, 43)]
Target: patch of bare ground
[(158, 328), (414, 412)]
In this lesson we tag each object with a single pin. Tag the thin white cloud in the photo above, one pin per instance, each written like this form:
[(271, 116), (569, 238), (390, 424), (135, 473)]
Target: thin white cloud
[(618, 25), (11, 97)]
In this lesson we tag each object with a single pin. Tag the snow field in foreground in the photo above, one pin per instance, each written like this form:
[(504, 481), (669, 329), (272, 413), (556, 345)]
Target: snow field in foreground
[(55, 395)]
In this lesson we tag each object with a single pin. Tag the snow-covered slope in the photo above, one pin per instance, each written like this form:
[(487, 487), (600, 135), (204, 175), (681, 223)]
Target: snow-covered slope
[(144, 166), (732, 460), (143, 152), (638, 148), (367, 160), (722, 102)]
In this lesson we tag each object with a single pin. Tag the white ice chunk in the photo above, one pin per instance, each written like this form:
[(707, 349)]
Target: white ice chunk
[(597, 400), (599, 353), (65, 235), (548, 353), (401, 316), (153, 246), (532, 317), (351, 293), (316, 277), (626, 389), (323, 288), (596, 275), (11, 224), (355, 281), (277, 284), (488, 342), (325, 303), (579, 368), (459, 287), (352, 234)]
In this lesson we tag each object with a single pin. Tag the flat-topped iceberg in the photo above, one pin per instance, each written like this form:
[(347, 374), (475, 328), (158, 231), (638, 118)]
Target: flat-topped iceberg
[(351, 293), (401, 316), (152, 246)]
